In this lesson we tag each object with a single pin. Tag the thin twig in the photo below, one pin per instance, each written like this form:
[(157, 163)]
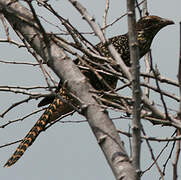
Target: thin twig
[(19, 63), (22, 118), (8, 144), (16, 104), (176, 160), (105, 16), (170, 154), (153, 157), (156, 139), (158, 87)]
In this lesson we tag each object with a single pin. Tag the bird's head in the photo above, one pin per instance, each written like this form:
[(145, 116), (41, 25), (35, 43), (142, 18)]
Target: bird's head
[(147, 27), (152, 24)]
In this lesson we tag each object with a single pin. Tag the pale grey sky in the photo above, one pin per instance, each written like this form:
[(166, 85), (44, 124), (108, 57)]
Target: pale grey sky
[(70, 151)]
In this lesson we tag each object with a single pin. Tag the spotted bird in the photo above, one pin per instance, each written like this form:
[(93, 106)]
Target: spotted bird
[(147, 27)]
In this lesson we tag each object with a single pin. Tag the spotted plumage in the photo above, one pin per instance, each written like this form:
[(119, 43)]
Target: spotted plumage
[(147, 27)]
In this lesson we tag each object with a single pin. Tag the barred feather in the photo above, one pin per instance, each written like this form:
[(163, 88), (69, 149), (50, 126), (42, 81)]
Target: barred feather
[(54, 111)]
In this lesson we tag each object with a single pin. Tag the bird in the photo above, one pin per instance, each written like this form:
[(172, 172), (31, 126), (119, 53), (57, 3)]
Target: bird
[(147, 27)]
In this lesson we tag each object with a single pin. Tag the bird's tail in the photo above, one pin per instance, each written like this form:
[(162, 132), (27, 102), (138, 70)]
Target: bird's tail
[(55, 110)]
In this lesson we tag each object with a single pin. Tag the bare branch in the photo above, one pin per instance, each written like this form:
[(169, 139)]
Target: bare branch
[(19, 63), (153, 157), (105, 16), (22, 118), (136, 93), (175, 163)]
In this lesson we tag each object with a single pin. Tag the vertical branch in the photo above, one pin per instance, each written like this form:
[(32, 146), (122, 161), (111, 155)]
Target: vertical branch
[(134, 55), (179, 71), (105, 16), (145, 8), (147, 70), (175, 163), (147, 56)]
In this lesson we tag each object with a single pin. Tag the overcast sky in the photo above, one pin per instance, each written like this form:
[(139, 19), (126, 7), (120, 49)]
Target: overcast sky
[(69, 150)]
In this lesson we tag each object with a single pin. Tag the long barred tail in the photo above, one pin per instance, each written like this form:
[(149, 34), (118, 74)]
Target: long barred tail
[(55, 110)]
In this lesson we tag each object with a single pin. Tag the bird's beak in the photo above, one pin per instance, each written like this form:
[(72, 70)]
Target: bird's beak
[(167, 22)]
